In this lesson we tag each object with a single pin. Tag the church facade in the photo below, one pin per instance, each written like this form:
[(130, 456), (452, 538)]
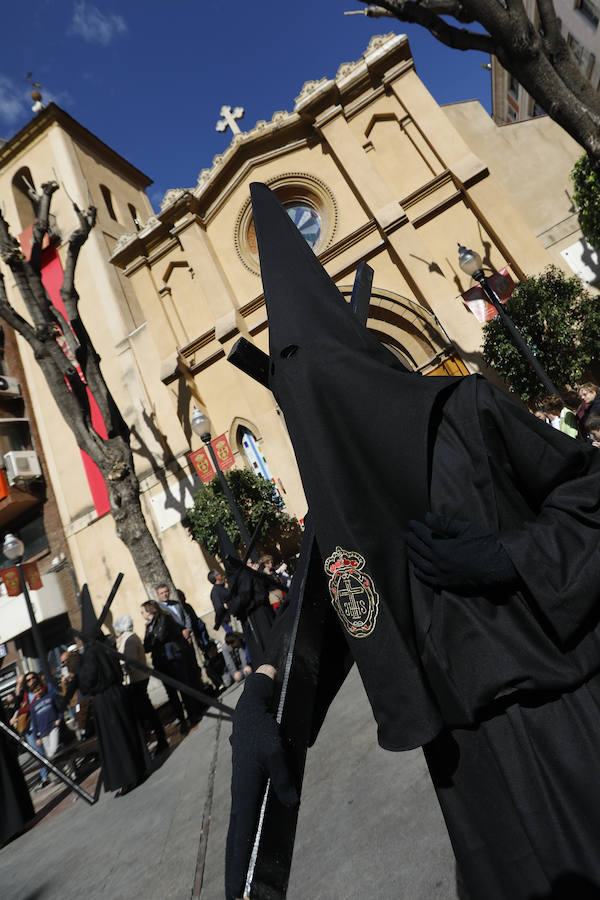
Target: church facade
[(370, 168)]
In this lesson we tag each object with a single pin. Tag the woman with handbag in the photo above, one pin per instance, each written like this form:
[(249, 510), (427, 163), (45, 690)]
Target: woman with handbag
[(25, 694)]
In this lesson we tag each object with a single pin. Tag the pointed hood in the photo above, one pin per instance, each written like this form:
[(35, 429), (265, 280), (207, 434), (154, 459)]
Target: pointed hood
[(89, 621), (359, 426)]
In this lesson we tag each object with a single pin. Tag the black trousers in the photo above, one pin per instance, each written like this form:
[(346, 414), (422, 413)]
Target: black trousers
[(138, 691)]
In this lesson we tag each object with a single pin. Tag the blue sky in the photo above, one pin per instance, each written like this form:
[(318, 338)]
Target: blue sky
[(150, 77)]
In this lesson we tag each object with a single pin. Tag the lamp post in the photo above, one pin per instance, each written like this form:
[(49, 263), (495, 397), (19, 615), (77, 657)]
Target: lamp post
[(471, 264), (201, 427), (13, 549)]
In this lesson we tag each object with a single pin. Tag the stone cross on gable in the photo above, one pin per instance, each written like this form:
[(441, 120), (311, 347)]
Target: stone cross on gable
[(229, 119)]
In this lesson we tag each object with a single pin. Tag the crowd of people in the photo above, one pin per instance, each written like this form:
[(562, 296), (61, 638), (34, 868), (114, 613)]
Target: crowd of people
[(577, 415), (96, 695)]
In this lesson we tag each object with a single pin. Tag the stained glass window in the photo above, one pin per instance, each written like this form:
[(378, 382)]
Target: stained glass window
[(306, 220)]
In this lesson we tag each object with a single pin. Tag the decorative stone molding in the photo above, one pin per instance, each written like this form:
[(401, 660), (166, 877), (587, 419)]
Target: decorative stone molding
[(280, 117), (346, 68), (123, 240), (148, 225), (171, 196), (308, 88), (378, 40)]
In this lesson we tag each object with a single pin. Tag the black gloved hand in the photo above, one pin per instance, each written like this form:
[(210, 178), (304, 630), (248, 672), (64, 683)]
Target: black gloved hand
[(257, 755), (458, 556)]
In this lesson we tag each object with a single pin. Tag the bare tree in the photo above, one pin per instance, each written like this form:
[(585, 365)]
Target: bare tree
[(69, 361), (538, 56)]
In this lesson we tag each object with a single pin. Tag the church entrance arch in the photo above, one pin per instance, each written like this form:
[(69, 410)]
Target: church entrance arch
[(411, 332)]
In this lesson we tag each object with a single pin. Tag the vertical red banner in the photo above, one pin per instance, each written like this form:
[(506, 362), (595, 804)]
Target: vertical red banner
[(12, 582), (476, 301), (32, 576), (223, 452), (202, 464)]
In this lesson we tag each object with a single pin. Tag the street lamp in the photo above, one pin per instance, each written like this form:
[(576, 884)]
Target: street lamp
[(201, 427), (471, 263), (13, 548)]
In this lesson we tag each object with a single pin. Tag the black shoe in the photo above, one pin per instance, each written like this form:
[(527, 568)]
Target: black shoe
[(184, 728), (42, 783)]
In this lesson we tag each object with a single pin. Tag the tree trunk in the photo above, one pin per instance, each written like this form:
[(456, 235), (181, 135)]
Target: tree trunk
[(69, 361), (538, 57)]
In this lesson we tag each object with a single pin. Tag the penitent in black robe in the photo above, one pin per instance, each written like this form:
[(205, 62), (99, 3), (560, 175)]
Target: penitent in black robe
[(16, 808), (123, 752), (249, 602), (502, 690)]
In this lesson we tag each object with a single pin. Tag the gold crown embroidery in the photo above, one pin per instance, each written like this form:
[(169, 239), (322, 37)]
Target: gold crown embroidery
[(352, 591)]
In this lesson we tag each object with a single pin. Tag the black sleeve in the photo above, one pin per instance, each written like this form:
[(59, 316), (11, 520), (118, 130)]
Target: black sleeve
[(557, 551), (89, 673), (149, 638)]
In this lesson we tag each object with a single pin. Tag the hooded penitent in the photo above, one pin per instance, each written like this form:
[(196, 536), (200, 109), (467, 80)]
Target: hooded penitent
[(348, 403), (90, 626), (511, 679)]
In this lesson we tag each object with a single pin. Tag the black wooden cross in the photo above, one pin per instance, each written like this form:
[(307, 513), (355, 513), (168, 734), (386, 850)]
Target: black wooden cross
[(269, 868)]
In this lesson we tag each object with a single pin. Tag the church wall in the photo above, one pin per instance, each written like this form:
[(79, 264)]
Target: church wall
[(395, 146), (131, 365), (407, 185), (96, 172), (532, 160)]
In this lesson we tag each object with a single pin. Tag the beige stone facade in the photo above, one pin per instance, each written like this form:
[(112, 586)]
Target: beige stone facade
[(375, 170)]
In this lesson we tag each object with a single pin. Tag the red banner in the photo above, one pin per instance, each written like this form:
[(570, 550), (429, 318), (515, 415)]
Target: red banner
[(11, 579), (223, 452), (202, 464), (32, 576), (474, 299)]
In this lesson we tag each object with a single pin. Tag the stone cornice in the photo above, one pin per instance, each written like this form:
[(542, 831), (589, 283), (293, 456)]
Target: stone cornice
[(353, 86)]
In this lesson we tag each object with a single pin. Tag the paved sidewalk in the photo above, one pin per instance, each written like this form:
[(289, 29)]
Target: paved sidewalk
[(369, 826)]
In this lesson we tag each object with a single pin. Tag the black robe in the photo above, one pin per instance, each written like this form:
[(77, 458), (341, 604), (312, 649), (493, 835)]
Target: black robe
[(501, 689), (16, 808), (123, 752), (249, 602)]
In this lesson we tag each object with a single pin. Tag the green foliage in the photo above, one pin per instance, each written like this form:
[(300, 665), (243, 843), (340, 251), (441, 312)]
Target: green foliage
[(586, 196), (254, 495), (559, 320)]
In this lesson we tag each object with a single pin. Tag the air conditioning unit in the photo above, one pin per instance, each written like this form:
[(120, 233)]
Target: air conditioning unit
[(9, 387), (21, 465)]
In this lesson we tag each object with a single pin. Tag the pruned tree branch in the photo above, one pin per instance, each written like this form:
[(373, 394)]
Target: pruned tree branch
[(420, 13), (540, 59), (78, 238), (41, 224), (85, 352), (12, 317)]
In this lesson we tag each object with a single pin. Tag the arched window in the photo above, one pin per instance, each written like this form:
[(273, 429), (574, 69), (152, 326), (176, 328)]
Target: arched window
[(134, 216), (252, 450), (22, 185), (108, 201)]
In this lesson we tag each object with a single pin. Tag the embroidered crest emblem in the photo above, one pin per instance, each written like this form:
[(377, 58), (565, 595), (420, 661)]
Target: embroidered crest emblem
[(352, 591)]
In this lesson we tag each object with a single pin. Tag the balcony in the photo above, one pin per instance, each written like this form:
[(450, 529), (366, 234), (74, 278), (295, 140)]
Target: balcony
[(14, 501)]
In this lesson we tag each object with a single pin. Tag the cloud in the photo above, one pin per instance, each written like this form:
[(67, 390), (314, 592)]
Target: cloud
[(94, 26), (13, 106)]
